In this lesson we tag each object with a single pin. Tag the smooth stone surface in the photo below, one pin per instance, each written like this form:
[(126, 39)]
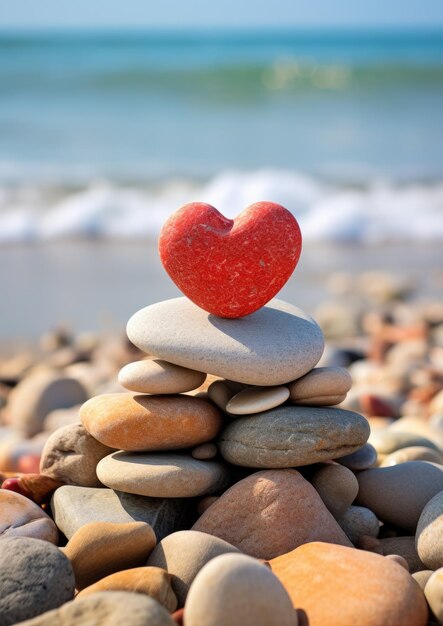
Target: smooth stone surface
[(413, 453), (358, 522), (183, 554), (151, 423), (205, 451), (73, 507), (256, 400), (220, 393), (272, 346), (291, 436), (165, 475), (434, 594), (422, 577), (258, 516), (159, 377), (71, 455), (37, 395), (341, 586), (337, 487), (429, 535), (34, 577), (236, 589), (152, 581), (107, 608), (21, 517), (363, 458), (387, 441), (102, 548), (405, 547), (322, 386), (398, 494)]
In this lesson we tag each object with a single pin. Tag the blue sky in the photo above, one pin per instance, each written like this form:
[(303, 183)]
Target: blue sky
[(198, 13)]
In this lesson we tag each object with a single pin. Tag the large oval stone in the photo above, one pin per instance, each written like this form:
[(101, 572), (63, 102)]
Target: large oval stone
[(138, 422), (291, 436), (272, 346)]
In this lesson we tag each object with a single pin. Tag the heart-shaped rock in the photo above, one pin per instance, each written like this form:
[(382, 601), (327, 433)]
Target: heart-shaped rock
[(230, 267)]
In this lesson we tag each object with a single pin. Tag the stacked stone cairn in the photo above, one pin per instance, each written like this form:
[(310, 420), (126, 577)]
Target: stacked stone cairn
[(227, 450)]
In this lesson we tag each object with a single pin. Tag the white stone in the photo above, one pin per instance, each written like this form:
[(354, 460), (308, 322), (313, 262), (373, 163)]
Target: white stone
[(257, 399), (156, 377)]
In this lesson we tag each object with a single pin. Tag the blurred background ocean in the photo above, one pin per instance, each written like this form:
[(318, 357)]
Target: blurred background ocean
[(105, 133)]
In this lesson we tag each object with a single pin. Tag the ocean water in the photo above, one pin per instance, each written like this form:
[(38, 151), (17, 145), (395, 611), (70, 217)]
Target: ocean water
[(105, 135)]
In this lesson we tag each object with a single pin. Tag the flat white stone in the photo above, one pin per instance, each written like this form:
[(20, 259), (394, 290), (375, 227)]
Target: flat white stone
[(257, 399), (276, 344), (155, 376)]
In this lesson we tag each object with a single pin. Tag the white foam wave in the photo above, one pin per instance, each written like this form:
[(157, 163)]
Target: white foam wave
[(377, 212)]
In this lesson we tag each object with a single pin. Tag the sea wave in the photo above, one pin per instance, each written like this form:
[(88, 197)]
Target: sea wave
[(376, 212)]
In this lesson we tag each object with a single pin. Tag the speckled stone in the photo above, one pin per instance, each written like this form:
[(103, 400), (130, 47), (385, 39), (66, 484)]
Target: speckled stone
[(246, 593), (358, 522), (363, 458), (398, 494), (337, 487), (429, 535), (220, 393), (71, 455), (158, 377), (256, 400), (34, 577), (258, 516), (291, 436), (275, 344), (152, 423), (165, 475), (322, 386), (341, 586), (183, 554), (405, 547), (20, 517)]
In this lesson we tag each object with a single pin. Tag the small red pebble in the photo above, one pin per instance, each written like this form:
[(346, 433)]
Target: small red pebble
[(230, 267), (178, 616), (14, 484), (29, 464)]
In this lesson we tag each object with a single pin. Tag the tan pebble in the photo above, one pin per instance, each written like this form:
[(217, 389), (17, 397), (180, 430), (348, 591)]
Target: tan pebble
[(322, 386), (158, 377), (398, 559), (102, 548), (220, 393), (127, 422), (21, 517), (429, 535), (422, 577), (248, 594), (205, 451), (434, 594), (205, 503), (257, 399), (413, 453), (337, 486), (341, 586), (152, 581), (183, 554)]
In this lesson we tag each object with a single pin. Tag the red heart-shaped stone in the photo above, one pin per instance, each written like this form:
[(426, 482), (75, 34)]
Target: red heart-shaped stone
[(230, 267)]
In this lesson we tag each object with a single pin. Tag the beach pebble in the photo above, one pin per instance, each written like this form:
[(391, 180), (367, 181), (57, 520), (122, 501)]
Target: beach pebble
[(413, 453), (102, 548), (205, 503), (107, 608), (36, 487), (34, 577), (152, 581), (363, 458), (429, 535), (398, 494), (37, 395), (405, 547), (272, 346), (236, 589), (337, 487), (220, 393), (74, 507), (183, 554), (258, 516), (158, 377), (422, 577), (205, 451), (61, 417), (71, 455), (20, 517), (164, 475), (154, 423), (398, 559), (291, 436), (256, 399), (434, 594), (389, 441), (341, 586), (322, 386), (358, 522)]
